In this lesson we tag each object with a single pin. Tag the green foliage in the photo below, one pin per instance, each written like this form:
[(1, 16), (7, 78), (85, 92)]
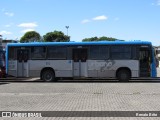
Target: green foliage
[(30, 36), (56, 36), (90, 39), (103, 38), (107, 38)]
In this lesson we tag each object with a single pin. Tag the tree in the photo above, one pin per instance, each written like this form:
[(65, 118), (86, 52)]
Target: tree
[(56, 36), (103, 38), (107, 38), (30, 36), (90, 39)]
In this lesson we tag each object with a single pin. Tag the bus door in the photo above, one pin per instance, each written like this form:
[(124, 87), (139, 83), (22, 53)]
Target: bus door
[(145, 62), (22, 63), (79, 62)]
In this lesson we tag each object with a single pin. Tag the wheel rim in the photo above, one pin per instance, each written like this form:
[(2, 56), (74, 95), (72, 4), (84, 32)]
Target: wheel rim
[(124, 76), (48, 76)]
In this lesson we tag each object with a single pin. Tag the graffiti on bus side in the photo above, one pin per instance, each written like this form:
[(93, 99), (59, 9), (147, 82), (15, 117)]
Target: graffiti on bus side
[(107, 65)]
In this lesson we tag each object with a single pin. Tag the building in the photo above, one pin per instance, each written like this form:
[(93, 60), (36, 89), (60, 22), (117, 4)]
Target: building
[(4, 42)]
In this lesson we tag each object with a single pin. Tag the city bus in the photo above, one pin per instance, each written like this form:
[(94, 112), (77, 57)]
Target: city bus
[(122, 60)]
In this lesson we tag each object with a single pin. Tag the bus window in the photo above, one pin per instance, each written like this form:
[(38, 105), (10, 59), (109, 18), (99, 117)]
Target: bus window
[(80, 55), (99, 52), (83, 55), (25, 55), (56, 52), (12, 54), (76, 55), (94, 52), (120, 52), (19, 55), (38, 52)]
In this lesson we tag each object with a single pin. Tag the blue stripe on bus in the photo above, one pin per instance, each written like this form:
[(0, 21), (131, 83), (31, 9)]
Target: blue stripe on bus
[(81, 43)]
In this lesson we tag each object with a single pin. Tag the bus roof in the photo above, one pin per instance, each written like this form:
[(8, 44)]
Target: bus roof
[(82, 43)]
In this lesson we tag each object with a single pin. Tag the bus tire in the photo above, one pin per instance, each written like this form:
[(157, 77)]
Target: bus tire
[(48, 76), (123, 75)]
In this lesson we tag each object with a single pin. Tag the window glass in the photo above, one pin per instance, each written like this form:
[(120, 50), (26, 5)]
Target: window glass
[(104, 52), (121, 52), (38, 52), (144, 55), (58, 52), (11, 53), (94, 52), (134, 52), (99, 52)]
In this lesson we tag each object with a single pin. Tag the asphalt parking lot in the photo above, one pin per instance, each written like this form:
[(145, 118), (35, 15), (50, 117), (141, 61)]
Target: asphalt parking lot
[(68, 97)]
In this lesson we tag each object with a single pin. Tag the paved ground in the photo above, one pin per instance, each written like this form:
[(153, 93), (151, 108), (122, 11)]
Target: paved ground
[(80, 96)]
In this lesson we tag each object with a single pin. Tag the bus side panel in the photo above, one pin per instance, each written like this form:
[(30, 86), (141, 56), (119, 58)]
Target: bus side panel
[(108, 68), (62, 68), (133, 65), (12, 68)]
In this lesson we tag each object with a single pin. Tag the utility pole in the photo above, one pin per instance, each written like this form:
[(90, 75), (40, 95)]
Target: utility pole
[(67, 29)]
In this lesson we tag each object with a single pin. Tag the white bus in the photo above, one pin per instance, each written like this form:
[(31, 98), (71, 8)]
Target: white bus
[(52, 60)]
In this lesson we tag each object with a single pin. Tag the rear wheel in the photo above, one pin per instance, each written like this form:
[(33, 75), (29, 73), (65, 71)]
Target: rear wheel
[(123, 75), (48, 76)]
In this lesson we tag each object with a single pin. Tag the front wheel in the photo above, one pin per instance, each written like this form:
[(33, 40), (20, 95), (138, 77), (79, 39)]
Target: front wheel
[(48, 76), (123, 75)]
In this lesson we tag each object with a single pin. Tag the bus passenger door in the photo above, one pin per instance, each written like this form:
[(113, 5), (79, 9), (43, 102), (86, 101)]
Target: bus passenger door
[(145, 62), (79, 62), (22, 63)]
